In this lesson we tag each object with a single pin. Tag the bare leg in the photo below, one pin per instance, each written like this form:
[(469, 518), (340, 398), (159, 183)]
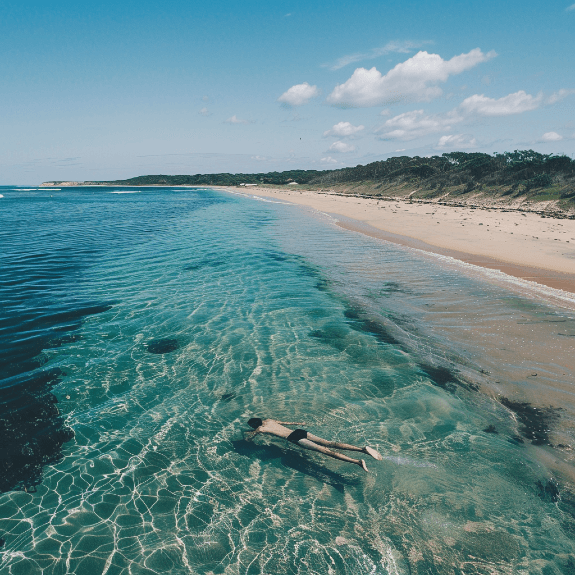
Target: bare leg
[(336, 445), (307, 444)]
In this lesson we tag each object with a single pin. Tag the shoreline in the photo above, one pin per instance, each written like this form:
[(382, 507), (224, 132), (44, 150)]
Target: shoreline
[(523, 245)]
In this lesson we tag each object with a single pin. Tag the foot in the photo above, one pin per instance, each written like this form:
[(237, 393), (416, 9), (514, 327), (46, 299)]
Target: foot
[(375, 454), (364, 466)]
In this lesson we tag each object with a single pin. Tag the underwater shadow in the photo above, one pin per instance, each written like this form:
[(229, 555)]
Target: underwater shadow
[(297, 462)]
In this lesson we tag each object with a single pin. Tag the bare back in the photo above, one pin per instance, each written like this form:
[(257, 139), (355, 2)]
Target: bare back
[(274, 428)]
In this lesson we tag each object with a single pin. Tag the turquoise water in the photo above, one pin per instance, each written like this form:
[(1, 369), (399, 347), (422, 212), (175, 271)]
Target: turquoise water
[(153, 324)]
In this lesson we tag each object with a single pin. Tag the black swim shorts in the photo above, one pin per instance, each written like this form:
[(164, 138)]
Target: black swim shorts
[(296, 435)]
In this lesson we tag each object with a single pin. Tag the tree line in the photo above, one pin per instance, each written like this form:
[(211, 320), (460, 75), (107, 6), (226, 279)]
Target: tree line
[(519, 171)]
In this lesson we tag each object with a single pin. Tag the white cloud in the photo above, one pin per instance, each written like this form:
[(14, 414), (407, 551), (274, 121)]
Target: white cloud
[(205, 98), (397, 47), (341, 147), (385, 112), (343, 129), (299, 94), (572, 7), (204, 112), (459, 141), (558, 96), (515, 103), (328, 160), (415, 79), (551, 137), (415, 124), (235, 120)]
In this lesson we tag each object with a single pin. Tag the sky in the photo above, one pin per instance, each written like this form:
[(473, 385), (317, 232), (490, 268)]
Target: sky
[(109, 90)]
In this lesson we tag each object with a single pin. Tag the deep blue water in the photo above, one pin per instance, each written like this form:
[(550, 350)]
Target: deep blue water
[(139, 332)]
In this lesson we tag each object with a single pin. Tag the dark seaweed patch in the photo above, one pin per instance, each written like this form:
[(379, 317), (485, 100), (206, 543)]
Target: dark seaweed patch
[(378, 330), (31, 421), (516, 440), (535, 421), (369, 326), (440, 376), (491, 429), (161, 346), (29, 417), (548, 491), (351, 313), (392, 287), (322, 285)]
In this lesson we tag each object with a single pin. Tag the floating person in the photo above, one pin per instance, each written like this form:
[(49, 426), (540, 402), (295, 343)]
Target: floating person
[(306, 440)]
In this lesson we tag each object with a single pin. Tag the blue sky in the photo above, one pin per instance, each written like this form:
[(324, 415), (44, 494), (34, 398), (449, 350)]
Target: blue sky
[(111, 90)]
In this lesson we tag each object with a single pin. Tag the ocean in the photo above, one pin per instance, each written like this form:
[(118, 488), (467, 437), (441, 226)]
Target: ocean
[(140, 328)]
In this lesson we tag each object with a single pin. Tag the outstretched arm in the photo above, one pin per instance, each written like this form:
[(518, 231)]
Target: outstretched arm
[(251, 434), (291, 422)]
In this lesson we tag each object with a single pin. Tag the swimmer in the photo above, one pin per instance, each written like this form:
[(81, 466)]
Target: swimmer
[(308, 441)]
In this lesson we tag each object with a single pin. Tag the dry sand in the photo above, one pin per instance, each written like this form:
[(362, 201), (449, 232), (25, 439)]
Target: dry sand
[(521, 244)]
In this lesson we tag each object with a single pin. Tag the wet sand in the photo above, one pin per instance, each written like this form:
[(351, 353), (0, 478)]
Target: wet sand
[(521, 244)]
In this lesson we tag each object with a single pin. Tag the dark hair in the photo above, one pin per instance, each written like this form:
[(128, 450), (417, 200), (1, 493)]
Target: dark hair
[(255, 422)]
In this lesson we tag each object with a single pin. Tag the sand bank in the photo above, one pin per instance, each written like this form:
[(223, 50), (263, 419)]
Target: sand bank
[(521, 244)]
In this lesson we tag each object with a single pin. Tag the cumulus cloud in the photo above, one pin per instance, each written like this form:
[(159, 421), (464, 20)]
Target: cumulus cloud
[(299, 94), (551, 137), (515, 103), (204, 112), (416, 124), (341, 147), (458, 141), (391, 47), (328, 160), (343, 129), (414, 80), (235, 120)]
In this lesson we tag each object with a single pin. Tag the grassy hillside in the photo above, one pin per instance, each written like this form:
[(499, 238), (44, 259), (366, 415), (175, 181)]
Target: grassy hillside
[(512, 175)]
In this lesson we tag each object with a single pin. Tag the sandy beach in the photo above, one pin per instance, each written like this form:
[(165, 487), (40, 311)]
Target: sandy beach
[(521, 244)]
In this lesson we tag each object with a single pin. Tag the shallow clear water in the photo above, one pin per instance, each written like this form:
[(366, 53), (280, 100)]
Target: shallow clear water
[(154, 324)]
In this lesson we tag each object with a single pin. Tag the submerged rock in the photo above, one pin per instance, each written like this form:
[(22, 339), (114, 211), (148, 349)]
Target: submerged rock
[(161, 346)]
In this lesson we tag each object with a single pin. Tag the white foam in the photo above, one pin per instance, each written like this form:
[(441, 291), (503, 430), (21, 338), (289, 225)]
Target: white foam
[(126, 192), (258, 198), (1, 196)]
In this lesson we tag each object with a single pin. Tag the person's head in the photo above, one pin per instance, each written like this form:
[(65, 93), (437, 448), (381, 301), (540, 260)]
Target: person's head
[(255, 422)]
